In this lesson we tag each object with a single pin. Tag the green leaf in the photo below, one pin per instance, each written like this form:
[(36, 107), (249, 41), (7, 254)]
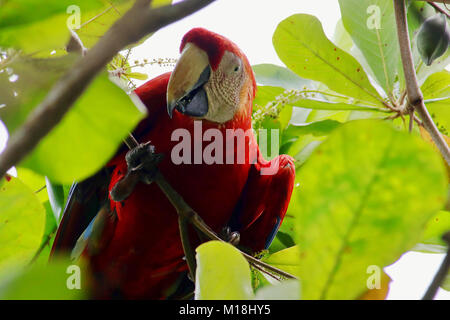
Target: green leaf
[(266, 94), (89, 135), (325, 105), (371, 24), (318, 128), (272, 75), (434, 230), (286, 290), (34, 181), (437, 85), (222, 273), (39, 29), (56, 197), (360, 190), (302, 45), (436, 92), (25, 82), (287, 260), (22, 221), (43, 282)]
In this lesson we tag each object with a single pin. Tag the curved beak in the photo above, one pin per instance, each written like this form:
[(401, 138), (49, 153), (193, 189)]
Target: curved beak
[(185, 90)]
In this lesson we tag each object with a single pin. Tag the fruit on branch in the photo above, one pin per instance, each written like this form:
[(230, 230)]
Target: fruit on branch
[(134, 246), (433, 38)]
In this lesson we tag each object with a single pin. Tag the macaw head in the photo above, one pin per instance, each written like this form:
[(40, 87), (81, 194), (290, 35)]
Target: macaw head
[(212, 79)]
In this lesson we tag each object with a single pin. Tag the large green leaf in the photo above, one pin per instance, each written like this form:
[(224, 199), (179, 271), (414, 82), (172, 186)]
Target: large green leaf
[(360, 190), (89, 134), (43, 30), (22, 220), (272, 75), (222, 273), (45, 282), (39, 29), (371, 24), (302, 45)]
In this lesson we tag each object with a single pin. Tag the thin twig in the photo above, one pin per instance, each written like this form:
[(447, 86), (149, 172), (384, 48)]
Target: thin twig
[(137, 22), (414, 94), (442, 272), (437, 8), (187, 246)]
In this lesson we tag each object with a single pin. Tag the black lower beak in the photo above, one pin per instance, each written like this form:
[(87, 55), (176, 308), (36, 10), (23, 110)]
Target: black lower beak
[(195, 102)]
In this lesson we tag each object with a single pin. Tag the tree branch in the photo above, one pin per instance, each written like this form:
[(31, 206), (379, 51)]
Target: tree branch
[(441, 274), (137, 22), (415, 97), (437, 8)]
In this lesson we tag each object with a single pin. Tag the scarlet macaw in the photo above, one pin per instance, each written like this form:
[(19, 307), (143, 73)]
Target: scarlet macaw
[(133, 244)]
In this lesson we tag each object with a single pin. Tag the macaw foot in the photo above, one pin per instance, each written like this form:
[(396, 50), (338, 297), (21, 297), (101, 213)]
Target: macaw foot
[(232, 237), (142, 162)]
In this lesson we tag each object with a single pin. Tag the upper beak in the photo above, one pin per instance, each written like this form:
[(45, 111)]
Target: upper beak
[(185, 90)]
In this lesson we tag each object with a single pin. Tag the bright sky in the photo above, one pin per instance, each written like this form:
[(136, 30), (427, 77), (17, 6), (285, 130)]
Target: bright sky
[(250, 24)]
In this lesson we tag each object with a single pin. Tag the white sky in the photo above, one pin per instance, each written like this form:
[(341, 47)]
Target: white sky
[(250, 24)]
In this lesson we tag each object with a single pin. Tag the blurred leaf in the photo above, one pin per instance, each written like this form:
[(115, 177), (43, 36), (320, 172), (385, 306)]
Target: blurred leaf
[(34, 181), (43, 282), (25, 82), (378, 294), (276, 76), (446, 284), (56, 197), (22, 221), (287, 259), (88, 136), (286, 290), (39, 29), (371, 24), (302, 45), (349, 214), (427, 137), (266, 94), (318, 128), (222, 273), (434, 230)]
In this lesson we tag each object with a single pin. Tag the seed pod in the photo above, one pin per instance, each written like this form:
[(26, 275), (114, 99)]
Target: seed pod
[(433, 38)]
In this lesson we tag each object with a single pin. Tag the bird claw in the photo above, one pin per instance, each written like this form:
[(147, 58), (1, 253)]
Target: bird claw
[(232, 237), (143, 160)]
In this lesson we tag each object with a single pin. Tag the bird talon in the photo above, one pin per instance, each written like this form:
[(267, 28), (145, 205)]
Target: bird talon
[(144, 160), (232, 237)]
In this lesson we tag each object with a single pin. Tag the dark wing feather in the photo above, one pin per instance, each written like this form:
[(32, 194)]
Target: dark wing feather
[(83, 203)]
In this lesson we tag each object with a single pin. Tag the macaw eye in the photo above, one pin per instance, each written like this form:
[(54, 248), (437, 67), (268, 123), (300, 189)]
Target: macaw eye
[(236, 69)]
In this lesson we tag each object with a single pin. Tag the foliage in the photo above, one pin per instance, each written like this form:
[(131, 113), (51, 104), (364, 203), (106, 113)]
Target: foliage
[(366, 191)]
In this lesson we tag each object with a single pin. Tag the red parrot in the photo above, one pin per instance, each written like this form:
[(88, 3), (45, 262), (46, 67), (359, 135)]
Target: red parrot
[(130, 235)]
